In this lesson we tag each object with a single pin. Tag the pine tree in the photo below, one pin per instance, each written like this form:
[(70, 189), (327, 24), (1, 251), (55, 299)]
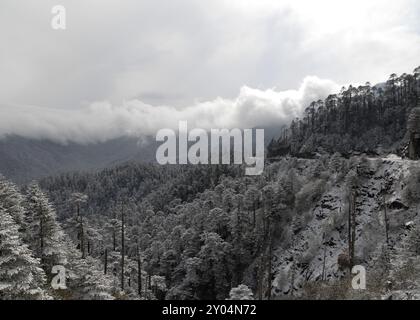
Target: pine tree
[(91, 283), (215, 255), (242, 292), (43, 233), (85, 278), (21, 276), (78, 199), (12, 201)]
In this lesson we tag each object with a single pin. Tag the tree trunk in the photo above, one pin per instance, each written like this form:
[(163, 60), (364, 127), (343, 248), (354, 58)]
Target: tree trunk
[(82, 233), (324, 258), (386, 222), (253, 215), (260, 279), (149, 281), (353, 232), (349, 225), (114, 236), (270, 271), (292, 285), (41, 234), (352, 227), (138, 271), (122, 248), (106, 261)]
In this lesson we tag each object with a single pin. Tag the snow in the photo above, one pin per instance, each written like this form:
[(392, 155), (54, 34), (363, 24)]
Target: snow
[(330, 212)]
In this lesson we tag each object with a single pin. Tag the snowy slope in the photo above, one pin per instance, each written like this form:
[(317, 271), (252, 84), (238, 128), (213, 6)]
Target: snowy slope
[(382, 179)]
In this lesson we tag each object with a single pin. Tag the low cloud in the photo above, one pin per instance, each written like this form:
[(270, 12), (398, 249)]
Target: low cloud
[(102, 121)]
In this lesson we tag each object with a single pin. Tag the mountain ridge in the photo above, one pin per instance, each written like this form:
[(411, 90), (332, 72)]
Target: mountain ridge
[(23, 159)]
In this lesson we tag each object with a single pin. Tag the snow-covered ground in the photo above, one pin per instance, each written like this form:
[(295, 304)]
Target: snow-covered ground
[(383, 179)]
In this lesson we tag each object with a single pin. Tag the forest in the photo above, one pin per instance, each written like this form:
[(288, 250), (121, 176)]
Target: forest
[(330, 197), (366, 118)]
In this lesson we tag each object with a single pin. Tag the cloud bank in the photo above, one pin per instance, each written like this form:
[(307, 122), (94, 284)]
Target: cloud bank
[(101, 121)]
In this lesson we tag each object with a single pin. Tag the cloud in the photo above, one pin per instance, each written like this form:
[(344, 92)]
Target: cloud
[(179, 51), (102, 121)]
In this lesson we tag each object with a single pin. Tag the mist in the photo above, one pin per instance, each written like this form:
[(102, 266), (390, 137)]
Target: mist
[(102, 121)]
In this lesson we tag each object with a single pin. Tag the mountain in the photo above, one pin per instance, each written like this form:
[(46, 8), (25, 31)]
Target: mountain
[(369, 119), (22, 159), (320, 208)]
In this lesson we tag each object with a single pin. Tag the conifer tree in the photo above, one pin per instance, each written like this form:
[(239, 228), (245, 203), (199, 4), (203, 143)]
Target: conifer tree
[(21, 276), (43, 233), (12, 201)]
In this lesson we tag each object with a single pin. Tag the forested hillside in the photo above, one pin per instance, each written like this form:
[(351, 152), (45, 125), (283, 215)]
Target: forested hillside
[(366, 118), (202, 232), (33, 242)]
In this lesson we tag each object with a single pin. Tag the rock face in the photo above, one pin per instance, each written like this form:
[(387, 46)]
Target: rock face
[(327, 259)]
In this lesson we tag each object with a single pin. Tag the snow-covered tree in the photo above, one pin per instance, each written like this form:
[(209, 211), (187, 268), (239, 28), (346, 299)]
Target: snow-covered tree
[(215, 255), (241, 292), (90, 283), (12, 201), (78, 199), (85, 278), (21, 276), (43, 233)]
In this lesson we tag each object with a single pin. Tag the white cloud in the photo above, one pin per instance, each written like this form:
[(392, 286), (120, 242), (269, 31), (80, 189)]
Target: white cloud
[(175, 52), (101, 121)]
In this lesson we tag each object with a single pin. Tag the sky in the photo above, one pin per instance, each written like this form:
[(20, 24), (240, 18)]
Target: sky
[(134, 66)]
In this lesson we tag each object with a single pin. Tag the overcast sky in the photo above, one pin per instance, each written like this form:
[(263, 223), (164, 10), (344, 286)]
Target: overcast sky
[(174, 56)]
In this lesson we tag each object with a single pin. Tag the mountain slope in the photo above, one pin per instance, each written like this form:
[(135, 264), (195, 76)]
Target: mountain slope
[(208, 229), (311, 263), (24, 159), (370, 119)]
